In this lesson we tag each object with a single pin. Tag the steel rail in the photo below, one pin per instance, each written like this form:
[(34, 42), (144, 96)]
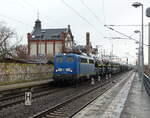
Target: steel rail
[(20, 98), (55, 108)]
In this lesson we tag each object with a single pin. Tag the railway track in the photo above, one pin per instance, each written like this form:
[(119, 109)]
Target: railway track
[(14, 93), (11, 100), (49, 99), (71, 106), (19, 98)]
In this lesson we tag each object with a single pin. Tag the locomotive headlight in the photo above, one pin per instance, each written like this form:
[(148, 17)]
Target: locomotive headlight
[(59, 69), (69, 69)]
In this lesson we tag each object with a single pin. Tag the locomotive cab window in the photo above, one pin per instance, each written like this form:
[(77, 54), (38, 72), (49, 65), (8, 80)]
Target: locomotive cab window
[(59, 59), (91, 61), (69, 59), (83, 60)]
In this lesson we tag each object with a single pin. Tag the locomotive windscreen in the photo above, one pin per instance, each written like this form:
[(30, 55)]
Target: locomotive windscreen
[(69, 59), (59, 59)]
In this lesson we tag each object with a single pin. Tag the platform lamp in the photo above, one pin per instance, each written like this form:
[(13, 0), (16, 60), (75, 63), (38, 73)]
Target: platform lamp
[(136, 5), (148, 15)]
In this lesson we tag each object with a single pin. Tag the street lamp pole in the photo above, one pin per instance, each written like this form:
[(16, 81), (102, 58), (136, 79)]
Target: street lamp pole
[(142, 44), (148, 15), (139, 53), (137, 4)]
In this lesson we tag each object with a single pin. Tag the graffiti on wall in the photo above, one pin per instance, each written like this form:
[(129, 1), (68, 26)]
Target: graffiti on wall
[(19, 71)]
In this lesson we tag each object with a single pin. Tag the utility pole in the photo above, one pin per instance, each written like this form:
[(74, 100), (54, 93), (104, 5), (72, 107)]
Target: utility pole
[(112, 52), (149, 46), (148, 15), (139, 62)]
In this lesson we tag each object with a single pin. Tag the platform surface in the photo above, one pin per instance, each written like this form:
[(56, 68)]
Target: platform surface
[(138, 102), (121, 101)]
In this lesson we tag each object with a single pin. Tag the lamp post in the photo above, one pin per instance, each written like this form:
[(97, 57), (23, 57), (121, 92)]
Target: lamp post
[(139, 53), (138, 4), (148, 15)]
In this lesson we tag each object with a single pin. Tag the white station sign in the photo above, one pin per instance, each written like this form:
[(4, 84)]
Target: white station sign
[(28, 98)]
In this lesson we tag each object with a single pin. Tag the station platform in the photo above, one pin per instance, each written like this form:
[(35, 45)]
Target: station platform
[(127, 101), (24, 85)]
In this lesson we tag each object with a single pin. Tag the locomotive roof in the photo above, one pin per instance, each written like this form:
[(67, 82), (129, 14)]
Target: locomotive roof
[(72, 54)]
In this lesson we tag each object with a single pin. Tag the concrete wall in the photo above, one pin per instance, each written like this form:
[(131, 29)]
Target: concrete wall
[(18, 71)]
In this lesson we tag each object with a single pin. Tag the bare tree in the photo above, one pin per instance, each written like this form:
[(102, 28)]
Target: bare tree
[(6, 34), (20, 52)]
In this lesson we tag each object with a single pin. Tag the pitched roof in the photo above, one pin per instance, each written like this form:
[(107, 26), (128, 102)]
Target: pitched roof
[(48, 34)]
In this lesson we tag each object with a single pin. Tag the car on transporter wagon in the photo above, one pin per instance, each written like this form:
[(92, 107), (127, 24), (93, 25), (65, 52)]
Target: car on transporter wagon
[(73, 67)]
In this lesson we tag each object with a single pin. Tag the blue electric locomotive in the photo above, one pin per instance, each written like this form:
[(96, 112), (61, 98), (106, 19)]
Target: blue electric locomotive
[(73, 67)]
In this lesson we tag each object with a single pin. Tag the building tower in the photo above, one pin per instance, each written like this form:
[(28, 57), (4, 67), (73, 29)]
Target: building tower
[(37, 26)]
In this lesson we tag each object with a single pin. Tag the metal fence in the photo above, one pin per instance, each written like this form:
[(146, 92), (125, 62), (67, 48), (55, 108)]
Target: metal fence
[(146, 82)]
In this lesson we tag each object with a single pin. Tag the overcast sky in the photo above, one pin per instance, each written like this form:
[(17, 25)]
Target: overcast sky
[(83, 16)]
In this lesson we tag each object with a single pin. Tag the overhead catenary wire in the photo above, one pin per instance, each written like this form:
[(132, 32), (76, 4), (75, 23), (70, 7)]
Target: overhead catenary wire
[(16, 20), (124, 25), (83, 18), (91, 11), (96, 17), (103, 3), (38, 11), (104, 16), (30, 5), (129, 37)]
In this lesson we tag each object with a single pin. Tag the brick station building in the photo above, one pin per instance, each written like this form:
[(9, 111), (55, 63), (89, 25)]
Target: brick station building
[(48, 42)]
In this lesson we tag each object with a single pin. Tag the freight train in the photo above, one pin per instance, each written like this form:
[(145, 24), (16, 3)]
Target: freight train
[(74, 67)]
